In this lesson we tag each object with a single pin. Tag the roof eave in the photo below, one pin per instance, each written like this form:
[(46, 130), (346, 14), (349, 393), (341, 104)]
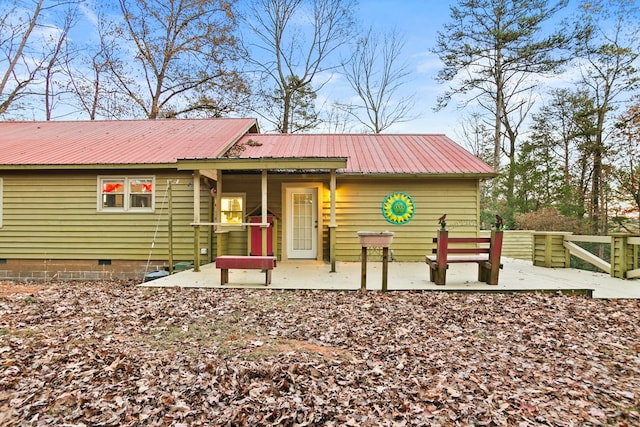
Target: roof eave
[(263, 163), (455, 175), (92, 166)]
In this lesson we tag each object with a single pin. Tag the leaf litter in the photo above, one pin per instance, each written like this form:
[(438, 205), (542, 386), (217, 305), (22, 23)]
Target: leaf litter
[(112, 353)]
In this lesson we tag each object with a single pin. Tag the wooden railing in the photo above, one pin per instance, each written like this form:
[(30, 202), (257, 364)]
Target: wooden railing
[(584, 254), (516, 244), (554, 249)]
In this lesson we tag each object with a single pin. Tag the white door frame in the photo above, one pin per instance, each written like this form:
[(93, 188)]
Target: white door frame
[(287, 189)]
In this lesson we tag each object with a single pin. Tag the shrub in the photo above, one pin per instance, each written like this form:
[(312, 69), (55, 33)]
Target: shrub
[(549, 219)]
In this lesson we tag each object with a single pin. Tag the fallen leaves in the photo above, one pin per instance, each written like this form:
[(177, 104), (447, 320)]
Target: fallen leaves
[(116, 354)]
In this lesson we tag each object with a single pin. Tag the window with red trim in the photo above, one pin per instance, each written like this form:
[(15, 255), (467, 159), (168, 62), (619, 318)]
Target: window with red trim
[(125, 194)]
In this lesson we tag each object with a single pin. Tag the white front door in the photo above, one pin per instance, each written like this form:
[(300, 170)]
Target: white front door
[(302, 222)]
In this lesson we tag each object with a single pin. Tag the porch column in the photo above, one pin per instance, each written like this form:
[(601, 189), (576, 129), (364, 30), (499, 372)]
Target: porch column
[(264, 214), (624, 256), (332, 221), (549, 250), (221, 235), (196, 220)]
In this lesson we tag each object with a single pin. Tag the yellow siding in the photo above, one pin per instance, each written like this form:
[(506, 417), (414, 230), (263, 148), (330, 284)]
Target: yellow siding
[(37, 225), (359, 208), (54, 215)]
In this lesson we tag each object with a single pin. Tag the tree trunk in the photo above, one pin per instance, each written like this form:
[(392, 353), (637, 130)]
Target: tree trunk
[(286, 110)]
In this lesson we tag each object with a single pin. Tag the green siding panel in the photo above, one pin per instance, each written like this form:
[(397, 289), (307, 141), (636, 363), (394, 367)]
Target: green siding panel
[(359, 208), (54, 215)]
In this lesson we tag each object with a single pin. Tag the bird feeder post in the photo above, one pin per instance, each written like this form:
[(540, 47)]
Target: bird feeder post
[(380, 240)]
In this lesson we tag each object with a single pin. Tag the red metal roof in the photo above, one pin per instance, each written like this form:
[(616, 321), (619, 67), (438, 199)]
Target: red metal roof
[(117, 142), (167, 141), (370, 153)]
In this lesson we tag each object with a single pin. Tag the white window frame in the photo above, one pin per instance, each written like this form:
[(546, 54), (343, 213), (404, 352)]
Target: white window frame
[(233, 225), (1, 199), (127, 194)]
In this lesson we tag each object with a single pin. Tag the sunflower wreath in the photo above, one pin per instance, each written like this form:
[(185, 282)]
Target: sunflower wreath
[(398, 207)]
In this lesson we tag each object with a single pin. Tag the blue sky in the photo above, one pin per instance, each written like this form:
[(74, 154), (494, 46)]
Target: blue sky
[(418, 21)]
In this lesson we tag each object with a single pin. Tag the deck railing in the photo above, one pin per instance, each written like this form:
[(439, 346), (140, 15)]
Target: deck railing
[(554, 249), (516, 244)]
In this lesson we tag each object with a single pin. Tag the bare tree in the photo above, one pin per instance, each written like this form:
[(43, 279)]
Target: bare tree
[(94, 90), (33, 44), (475, 134), (376, 75), (181, 48), (294, 42), (20, 71), (54, 66)]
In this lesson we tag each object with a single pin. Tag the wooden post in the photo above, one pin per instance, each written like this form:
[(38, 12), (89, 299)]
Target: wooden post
[(332, 221), (332, 248), (494, 257), (221, 238), (385, 267), (623, 256), (264, 215), (170, 227), (441, 271), (363, 277), (549, 250)]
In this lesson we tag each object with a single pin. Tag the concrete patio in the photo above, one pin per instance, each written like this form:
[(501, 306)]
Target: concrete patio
[(517, 276)]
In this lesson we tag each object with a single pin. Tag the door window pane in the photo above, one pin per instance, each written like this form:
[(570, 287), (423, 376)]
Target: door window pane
[(302, 221)]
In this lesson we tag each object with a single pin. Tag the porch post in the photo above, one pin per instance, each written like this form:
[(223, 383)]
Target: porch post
[(264, 213), (170, 225), (549, 250), (220, 235), (196, 220), (332, 221), (623, 256)]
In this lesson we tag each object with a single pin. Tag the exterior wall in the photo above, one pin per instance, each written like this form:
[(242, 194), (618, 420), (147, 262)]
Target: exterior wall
[(51, 227), (359, 208), (52, 216)]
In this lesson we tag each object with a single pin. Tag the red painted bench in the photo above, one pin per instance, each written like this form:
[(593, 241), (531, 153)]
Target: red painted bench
[(488, 259), (227, 262)]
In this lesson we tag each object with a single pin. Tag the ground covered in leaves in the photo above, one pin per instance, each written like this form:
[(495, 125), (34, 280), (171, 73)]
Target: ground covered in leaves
[(117, 354)]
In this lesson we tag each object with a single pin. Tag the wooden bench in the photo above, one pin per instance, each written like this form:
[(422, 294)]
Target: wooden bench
[(488, 259), (227, 262)]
